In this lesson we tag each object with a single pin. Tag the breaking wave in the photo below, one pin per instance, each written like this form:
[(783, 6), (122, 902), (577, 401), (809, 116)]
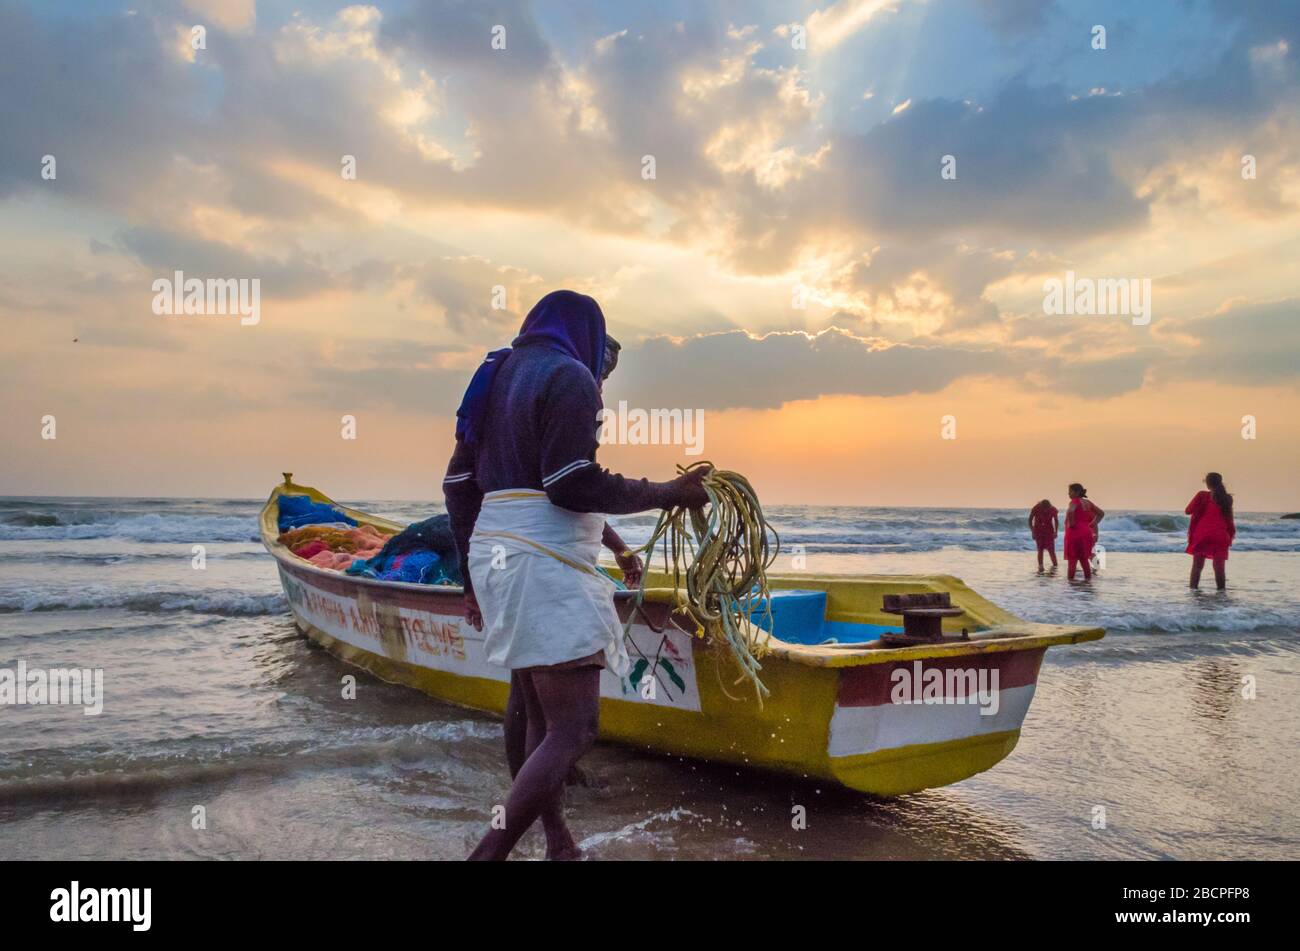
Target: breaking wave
[(191, 529), (227, 603)]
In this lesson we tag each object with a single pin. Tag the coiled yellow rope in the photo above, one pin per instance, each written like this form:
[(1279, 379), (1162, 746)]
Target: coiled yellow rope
[(726, 577)]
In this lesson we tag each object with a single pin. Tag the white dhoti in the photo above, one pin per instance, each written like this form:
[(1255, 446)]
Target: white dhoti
[(543, 600)]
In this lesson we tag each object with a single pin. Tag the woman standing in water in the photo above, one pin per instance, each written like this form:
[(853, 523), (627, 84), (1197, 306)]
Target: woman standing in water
[(525, 496), (1081, 521), (1211, 531), (1043, 524)]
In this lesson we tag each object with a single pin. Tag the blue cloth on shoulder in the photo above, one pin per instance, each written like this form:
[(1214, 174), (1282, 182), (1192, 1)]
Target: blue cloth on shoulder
[(566, 321)]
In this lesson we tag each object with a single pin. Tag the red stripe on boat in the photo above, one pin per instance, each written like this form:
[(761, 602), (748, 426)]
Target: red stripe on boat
[(428, 598), (872, 685)]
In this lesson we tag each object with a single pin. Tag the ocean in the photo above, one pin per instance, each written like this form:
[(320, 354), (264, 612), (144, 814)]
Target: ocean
[(215, 706)]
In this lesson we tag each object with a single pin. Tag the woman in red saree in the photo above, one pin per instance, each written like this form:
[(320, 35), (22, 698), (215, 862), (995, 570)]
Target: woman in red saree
[(1211, 531), (1081, 520)]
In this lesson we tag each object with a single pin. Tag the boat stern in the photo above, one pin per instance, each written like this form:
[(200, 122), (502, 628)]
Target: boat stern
[(916, 718), (928, 721)]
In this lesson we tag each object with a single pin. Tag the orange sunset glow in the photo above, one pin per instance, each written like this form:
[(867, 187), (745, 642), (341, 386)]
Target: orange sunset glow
[(799, 265)]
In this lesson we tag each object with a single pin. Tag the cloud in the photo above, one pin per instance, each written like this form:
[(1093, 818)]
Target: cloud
[(459, 36), (463, 287), (832, 25), (1103, 377), (1247, 343), (422, 377), (229, 166), (748, 167), (235, 16), (432, 392), (296, 274), (737, 370), (71, 87), (888, 276), (1029, 163), (1014, 18)]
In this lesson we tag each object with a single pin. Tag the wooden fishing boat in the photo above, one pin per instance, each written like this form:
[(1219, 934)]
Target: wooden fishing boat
[(853, 699)]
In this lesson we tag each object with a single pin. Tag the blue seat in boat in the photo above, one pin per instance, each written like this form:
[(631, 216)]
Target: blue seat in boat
[(799, 617)]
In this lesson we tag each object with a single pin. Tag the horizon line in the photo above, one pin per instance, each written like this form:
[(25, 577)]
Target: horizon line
[(259, 500)]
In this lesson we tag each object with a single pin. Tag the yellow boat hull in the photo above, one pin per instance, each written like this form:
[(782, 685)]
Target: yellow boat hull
[(833, 712)]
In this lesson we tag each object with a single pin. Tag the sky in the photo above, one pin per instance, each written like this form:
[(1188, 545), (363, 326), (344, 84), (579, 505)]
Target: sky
[(830, 227)]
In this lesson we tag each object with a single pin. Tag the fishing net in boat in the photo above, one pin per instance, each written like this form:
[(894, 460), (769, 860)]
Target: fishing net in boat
[(717, 559)]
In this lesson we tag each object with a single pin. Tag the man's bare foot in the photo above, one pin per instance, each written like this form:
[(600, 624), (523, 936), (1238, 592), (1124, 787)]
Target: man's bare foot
[(559, 840)]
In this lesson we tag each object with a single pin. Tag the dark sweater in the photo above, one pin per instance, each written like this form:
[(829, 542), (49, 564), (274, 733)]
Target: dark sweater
[(541, 423)]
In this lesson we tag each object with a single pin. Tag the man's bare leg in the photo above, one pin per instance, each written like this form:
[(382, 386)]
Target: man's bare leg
[(525, 728), (570, 704)]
